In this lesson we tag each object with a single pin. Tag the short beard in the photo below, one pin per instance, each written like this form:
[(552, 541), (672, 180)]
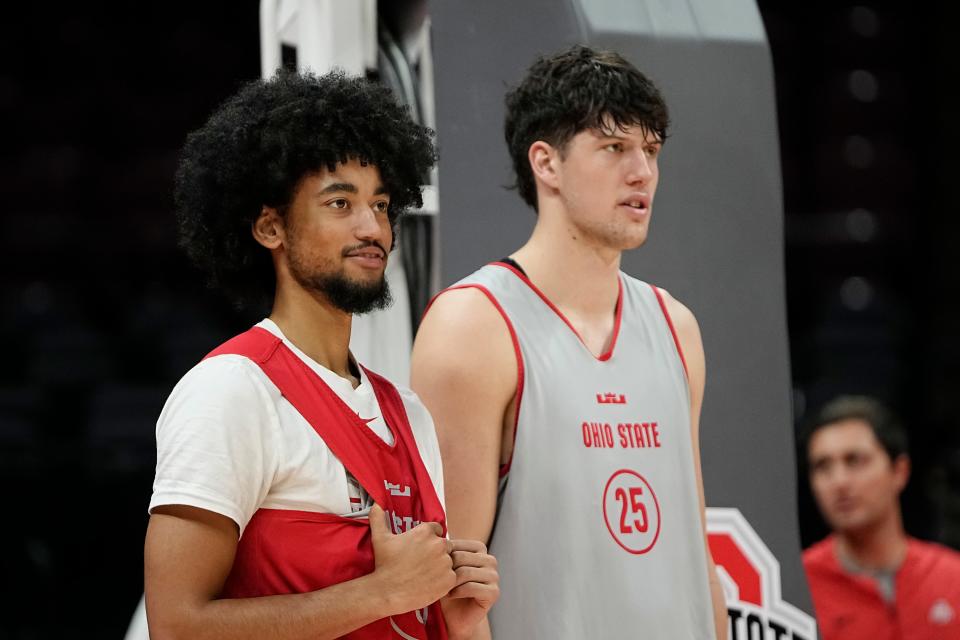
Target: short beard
[(344, 293), (349, 295)]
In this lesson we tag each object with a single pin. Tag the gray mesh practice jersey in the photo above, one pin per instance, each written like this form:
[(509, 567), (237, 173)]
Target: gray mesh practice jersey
[(598, 531)]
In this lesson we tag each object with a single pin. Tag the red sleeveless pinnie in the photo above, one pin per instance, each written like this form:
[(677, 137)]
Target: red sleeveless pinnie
[(285, 551)]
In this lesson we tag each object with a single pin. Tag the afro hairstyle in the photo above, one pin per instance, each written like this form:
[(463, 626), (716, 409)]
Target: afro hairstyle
[(256, 148)]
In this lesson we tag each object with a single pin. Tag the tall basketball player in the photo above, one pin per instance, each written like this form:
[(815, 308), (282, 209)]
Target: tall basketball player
[(567, 393)]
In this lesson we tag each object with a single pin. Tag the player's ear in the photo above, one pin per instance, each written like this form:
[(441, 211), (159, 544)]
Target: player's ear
[(543, 158), (901, 470), (268, 228)]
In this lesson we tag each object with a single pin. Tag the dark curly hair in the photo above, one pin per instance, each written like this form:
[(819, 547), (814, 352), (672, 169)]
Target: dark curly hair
[(258, 145), (572, 91)]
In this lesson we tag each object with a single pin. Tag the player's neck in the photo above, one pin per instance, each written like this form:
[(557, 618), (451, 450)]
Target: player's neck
[(316, 327), (570, 271), (879, 547)]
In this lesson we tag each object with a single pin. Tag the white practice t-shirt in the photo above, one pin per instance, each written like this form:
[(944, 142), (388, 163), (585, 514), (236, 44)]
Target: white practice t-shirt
[(228, 442)]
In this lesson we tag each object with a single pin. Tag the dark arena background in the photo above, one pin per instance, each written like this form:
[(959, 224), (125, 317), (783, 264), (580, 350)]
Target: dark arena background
[(101, 313)]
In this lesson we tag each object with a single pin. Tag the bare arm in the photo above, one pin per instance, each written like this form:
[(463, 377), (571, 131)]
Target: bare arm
[(189, 553), (465, 371), (688, 333)]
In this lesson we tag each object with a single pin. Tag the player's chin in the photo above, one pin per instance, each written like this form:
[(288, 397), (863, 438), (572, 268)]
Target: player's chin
[(633, 239), (365, 276)]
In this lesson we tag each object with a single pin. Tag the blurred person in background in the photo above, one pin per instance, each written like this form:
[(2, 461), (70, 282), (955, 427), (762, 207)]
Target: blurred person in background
[(868, 578)]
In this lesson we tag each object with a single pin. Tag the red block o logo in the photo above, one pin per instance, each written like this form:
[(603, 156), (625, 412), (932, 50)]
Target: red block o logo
[(727, 554)]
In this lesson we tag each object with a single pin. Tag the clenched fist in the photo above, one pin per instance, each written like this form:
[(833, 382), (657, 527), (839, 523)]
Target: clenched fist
[(478, 587), (416, 566)]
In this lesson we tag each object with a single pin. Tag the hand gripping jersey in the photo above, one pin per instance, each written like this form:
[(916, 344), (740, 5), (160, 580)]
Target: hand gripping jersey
[(598, 531), (286, 551)]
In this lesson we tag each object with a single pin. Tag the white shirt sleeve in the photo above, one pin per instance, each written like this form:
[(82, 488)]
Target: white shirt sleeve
[(425, 434), (217, 440)]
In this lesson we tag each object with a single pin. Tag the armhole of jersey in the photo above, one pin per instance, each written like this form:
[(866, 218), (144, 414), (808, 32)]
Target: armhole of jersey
[(673, 331), (504, 468)]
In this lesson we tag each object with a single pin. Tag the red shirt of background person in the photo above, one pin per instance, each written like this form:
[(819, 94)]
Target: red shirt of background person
[(868, 578)]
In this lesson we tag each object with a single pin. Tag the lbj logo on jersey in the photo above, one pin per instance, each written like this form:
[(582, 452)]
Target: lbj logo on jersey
[(399, 523), (611, 398), (395, 489), (750, 575)]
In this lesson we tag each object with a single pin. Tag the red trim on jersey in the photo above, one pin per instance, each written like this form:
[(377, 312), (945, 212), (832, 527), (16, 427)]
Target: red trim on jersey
[(263, 351), (504, 468), (618, 311), (676, 340)]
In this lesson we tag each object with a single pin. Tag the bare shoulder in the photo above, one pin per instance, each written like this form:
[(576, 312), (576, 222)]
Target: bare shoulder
[(684, 322), (688, 334), (467, 306), (463, 319), (683, 319), (463, 333)]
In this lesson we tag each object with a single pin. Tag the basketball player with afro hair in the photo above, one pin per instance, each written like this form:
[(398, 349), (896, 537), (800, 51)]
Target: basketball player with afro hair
[(298, 494)]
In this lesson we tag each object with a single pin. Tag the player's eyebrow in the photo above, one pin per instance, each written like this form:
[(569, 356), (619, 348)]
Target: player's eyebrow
[(348, 187), (614, 135), (603, 135), (338, 186)]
